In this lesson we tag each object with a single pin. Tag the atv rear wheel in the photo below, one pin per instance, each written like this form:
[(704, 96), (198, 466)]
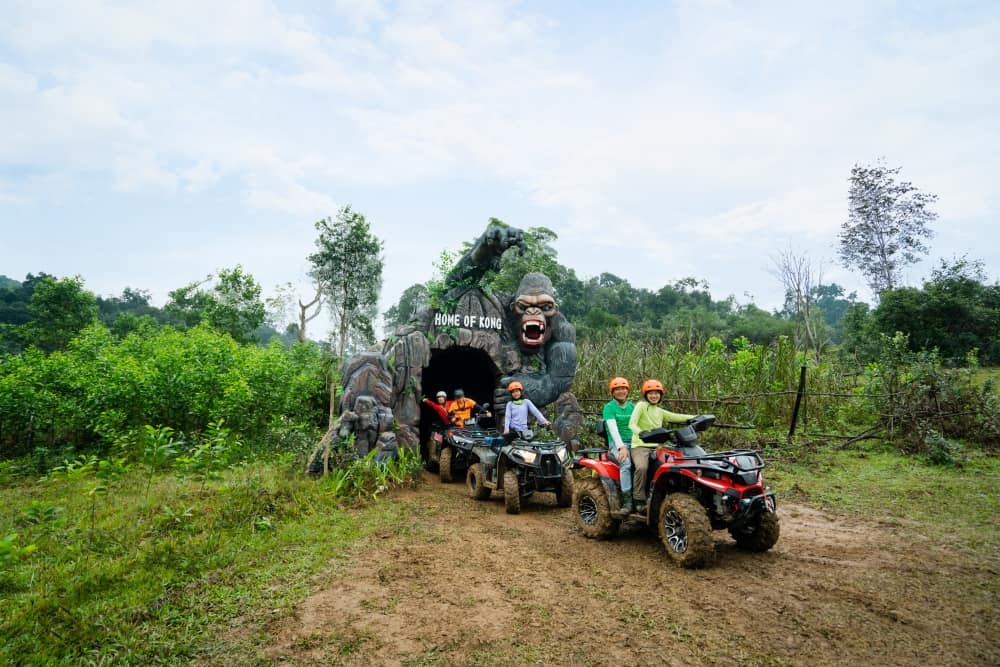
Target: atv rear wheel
[(474, 482), (564, 496), (593, 512), (685, 531), (760, 535), (511, 492), (444, 465)]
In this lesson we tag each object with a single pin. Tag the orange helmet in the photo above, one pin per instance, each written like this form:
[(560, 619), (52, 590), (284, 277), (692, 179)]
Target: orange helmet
[(652, 385), (515, 385), (618, 383)]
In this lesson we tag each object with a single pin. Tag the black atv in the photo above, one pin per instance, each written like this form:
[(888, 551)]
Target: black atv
[(457, 443), (519, 467)]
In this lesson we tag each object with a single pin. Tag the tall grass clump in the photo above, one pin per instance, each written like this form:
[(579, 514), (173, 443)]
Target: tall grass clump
[(749, 384)]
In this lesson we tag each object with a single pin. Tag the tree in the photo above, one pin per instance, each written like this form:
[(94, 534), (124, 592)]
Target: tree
[(232, 305), (800, 278), (538, 255), (410, 300), (887, 222), (347, 265), (59, 309), (955, 312)]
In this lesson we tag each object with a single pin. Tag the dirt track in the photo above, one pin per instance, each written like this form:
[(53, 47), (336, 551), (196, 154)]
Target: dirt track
[(471, 585)]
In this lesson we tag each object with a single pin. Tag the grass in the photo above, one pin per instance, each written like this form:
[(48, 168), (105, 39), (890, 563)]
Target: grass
[(960, 501), (126, 576), (198, 571)]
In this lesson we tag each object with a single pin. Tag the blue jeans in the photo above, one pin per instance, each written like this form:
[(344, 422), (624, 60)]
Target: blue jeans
[(624, 468)]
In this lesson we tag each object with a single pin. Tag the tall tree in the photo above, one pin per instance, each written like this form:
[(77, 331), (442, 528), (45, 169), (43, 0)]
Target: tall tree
[(232, 304), (886, 226), (347, 265)]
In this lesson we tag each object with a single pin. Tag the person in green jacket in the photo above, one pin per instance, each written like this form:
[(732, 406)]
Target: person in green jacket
[(616, 415), (648, 415)]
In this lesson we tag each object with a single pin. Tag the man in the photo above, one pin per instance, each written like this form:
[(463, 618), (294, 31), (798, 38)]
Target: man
[(460, 409)]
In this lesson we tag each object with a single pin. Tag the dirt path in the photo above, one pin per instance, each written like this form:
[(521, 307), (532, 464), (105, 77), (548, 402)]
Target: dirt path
[(468, 584)]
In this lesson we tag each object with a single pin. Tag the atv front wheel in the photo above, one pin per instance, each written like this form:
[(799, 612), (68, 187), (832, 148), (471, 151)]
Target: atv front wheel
[(593, 512), (760, 535), (444, 465), (564, 496), (685, 531), (511, 492), (474, 481)]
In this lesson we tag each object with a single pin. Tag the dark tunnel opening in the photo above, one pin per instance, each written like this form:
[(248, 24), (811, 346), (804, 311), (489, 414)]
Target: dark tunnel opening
[(466, 368)]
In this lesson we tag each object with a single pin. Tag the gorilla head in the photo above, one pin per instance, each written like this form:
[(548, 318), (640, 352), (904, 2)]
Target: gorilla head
[(533, 309)]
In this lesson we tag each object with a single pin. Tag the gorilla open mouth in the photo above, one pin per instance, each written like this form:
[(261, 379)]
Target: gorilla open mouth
[(533, 331)]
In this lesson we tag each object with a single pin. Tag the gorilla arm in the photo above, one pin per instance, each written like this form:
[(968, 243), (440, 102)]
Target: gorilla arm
[(484, 255)]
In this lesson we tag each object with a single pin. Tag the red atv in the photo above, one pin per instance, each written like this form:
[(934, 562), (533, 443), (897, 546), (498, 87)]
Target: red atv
[(690, 494)]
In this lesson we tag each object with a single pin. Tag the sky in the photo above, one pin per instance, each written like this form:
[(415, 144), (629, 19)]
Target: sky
[(150, 144)]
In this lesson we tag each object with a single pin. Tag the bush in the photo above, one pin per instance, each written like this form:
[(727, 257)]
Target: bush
[(101, 389)]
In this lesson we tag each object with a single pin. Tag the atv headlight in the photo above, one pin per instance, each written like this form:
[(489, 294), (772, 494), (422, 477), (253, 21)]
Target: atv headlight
[(562, 454), (526, 455)]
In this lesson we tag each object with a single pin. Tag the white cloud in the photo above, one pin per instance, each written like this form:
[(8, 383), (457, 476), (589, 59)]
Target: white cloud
[(715, 129)]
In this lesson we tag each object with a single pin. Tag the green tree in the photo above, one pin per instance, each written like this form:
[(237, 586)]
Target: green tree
[(539, 256), (347, 265), (410, 300), (954, 312), (59, 309), (231, 305), (886, 225)]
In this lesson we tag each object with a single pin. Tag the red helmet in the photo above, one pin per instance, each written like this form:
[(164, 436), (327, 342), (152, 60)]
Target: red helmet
[(652, 385), (618, 383), (515, 385)]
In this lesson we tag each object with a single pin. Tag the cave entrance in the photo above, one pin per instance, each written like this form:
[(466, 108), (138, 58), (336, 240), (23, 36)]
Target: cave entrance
[(467, 368)]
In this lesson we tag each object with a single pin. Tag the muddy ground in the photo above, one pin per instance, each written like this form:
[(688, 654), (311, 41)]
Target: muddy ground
[(468, 584)]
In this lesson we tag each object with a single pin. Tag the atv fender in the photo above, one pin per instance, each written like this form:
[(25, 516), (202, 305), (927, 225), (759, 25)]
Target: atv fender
[(602, 469)]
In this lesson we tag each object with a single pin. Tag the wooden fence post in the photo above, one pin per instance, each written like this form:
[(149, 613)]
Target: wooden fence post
[(798, 401)]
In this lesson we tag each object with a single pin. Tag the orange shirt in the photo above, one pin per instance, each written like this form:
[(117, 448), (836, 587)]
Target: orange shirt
[(460, 409)]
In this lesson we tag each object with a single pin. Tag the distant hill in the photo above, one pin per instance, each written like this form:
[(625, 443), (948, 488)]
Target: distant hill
[(8, 282)]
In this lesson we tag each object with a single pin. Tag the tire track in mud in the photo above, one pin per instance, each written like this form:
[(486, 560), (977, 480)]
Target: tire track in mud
[(468, 584)]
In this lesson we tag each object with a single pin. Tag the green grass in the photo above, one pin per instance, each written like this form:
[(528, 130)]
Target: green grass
[(122, 577), (946, 501), (201, 569)]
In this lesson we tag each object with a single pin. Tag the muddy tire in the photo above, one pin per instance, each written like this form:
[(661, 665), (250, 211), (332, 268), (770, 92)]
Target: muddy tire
[(760, 535), (564, 497), (444, 465), (474, 482), (592, 510), (511, 493), (685, 531)]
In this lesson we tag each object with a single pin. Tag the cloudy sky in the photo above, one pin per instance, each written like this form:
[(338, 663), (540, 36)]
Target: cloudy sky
[(148, 144)]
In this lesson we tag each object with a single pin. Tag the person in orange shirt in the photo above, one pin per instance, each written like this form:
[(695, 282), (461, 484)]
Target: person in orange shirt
[(460, 409)]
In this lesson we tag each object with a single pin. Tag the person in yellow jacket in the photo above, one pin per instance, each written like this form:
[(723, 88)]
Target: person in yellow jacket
[(647, 415)]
